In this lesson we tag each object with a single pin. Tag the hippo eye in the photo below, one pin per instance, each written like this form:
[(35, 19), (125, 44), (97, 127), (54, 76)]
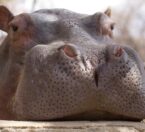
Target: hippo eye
[(112, 26), (14, 28)]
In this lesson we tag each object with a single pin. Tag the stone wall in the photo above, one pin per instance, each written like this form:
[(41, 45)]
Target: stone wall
[(82, 126)]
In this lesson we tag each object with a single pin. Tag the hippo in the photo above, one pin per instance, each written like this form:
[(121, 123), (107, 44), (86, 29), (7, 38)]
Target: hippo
[(56, 64)]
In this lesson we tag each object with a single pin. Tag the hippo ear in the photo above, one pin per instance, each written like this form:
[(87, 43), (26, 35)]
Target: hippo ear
[(108, 12), (5, 17)]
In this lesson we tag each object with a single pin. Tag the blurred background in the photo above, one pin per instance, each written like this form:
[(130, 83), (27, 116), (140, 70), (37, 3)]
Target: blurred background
[(128, 15)]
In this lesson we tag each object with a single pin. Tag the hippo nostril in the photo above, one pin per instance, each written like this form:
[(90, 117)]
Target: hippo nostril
[(70, 50), (118, 51)]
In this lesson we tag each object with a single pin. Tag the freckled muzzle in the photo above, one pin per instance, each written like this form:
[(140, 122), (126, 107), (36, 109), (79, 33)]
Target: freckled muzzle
[(58, 81), (55, 83), (121, 83)]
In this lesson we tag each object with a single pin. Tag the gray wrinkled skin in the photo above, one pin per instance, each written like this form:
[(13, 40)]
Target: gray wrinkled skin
[(58, 65)]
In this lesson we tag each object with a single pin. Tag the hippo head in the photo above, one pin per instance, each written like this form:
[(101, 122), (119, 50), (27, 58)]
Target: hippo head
[(57, 64)]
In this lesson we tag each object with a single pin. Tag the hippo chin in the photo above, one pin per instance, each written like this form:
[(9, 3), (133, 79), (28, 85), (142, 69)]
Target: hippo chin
[(60, 65)]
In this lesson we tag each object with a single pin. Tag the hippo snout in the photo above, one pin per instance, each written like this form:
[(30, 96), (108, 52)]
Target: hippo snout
[(57, 79), (67, 71), (121, 82)]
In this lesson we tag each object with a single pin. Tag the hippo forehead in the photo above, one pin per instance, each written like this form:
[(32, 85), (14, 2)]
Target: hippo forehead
[(49, 25), (61, 13), (54, 15)]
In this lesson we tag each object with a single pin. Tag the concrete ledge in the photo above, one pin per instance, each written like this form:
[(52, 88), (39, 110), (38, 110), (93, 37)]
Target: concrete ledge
[(79, 126)]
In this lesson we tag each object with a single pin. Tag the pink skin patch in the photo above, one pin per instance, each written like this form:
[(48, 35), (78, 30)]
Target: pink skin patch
[(69, 51), (118, 51)]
